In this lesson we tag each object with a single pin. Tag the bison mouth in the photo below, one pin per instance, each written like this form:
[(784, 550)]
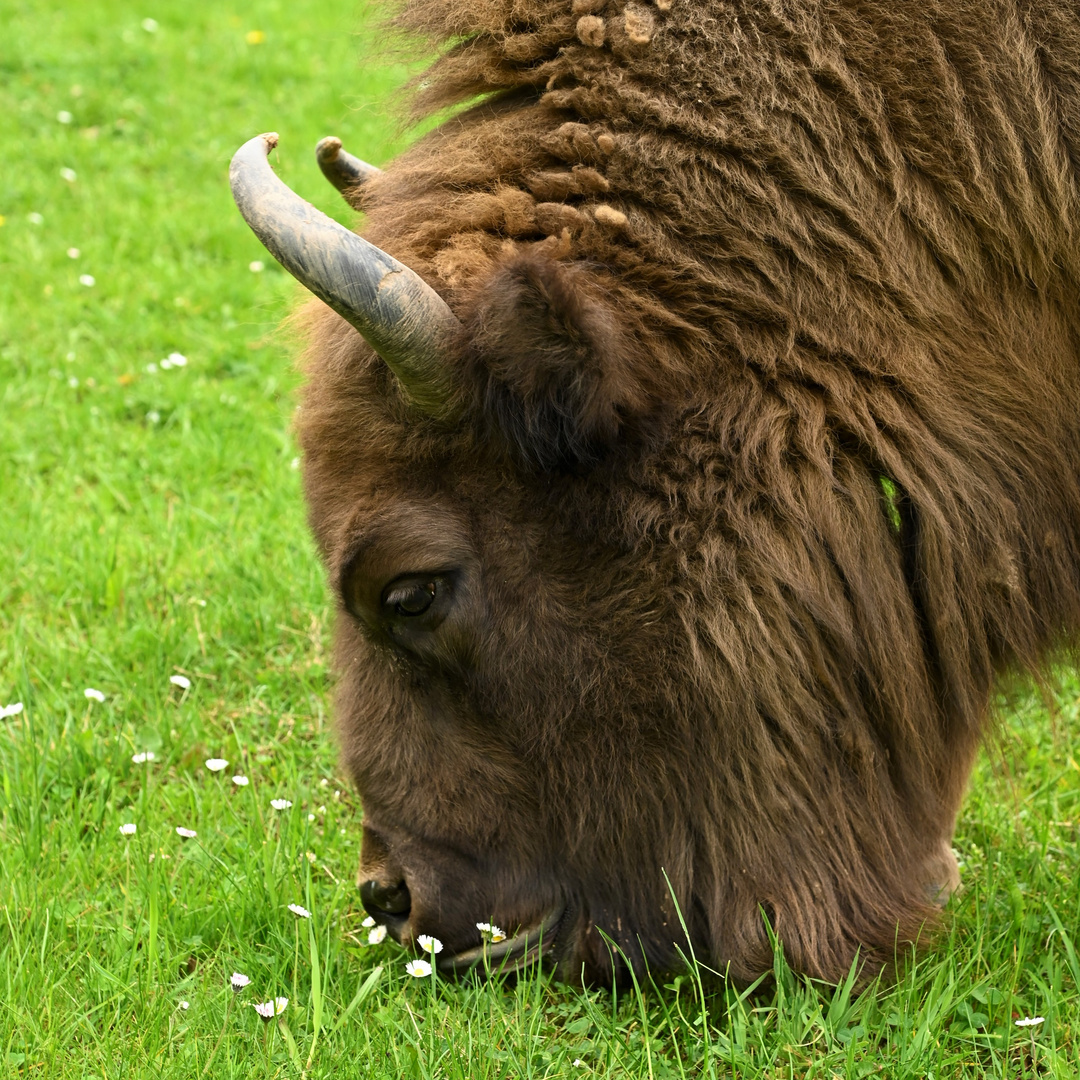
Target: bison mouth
[(541, 941)]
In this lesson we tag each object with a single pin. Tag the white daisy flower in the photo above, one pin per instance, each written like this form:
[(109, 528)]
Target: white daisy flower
[(151, 368), (73, 252), (300, 912), (216, 764), (93, 695), (177, 359), (88, 280), (70, 175), (497, 935), (1031, 1021), (150, 25), (187, 834), (376, 935), (180, 680), (369, 921), (239, 981), (73, 383), (185, 1005), (143, 756), (269, 1009), (256, 266), (577, 1063), (129, 828), (35, 218), (241, 781), (429, 944), (418, 968), (484, 927), (280, 804), (64, 117), (153, 417), (11, 710)]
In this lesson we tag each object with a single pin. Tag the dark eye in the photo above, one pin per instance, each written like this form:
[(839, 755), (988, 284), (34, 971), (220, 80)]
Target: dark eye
[(410, 597)]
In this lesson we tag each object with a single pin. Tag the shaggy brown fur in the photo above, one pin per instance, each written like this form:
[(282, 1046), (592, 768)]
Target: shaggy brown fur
[(723, 265)]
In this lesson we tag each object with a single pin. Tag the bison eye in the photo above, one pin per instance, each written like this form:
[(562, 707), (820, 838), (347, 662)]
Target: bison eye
[(410, 597), (407, 608)]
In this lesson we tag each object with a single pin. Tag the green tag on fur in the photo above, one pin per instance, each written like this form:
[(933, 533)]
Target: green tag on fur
[(892, 502)]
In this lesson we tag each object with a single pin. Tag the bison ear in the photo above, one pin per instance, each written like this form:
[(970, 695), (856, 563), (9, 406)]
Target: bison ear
[(557, 367)]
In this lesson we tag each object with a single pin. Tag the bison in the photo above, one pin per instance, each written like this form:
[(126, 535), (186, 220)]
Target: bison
[(691, 442)]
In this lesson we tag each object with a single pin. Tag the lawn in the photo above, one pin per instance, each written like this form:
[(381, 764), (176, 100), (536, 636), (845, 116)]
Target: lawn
[(155, 551)]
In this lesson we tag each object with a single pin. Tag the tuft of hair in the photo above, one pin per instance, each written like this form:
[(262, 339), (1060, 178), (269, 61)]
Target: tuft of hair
[(608, 215), (640, 24), (590, 31)]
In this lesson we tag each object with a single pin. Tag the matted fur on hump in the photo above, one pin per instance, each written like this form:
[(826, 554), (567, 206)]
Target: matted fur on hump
[(590, 114), (746, 173)]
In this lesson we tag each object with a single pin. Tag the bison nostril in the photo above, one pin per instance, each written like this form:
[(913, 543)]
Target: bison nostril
[(379, 899)]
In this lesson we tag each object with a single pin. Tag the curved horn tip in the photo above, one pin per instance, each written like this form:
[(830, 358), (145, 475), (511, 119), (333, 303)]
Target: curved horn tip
[(270, 138), (341, 168), (328, 148)]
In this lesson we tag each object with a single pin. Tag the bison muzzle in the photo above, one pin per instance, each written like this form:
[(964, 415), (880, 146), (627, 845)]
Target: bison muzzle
[(691, 441)]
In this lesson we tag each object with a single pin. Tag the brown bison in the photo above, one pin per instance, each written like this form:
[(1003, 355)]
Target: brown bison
[(701, 451)]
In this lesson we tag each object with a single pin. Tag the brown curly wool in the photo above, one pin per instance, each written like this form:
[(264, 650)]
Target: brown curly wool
[(768, 443)]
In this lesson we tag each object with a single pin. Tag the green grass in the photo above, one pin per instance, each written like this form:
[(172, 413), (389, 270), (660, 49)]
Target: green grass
[(152, 525)]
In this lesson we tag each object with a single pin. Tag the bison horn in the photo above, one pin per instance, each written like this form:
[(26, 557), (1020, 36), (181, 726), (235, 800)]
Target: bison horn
[(340, 167), (400, 316)]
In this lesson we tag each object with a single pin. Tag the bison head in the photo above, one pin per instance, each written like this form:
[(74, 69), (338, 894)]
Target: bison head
[(611, 677)]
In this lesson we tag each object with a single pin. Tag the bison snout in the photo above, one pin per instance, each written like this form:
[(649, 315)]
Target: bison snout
[(386, 903), (384, 891)]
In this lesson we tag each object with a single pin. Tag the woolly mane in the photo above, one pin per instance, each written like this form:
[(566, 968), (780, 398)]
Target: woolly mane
[(723, 268)]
